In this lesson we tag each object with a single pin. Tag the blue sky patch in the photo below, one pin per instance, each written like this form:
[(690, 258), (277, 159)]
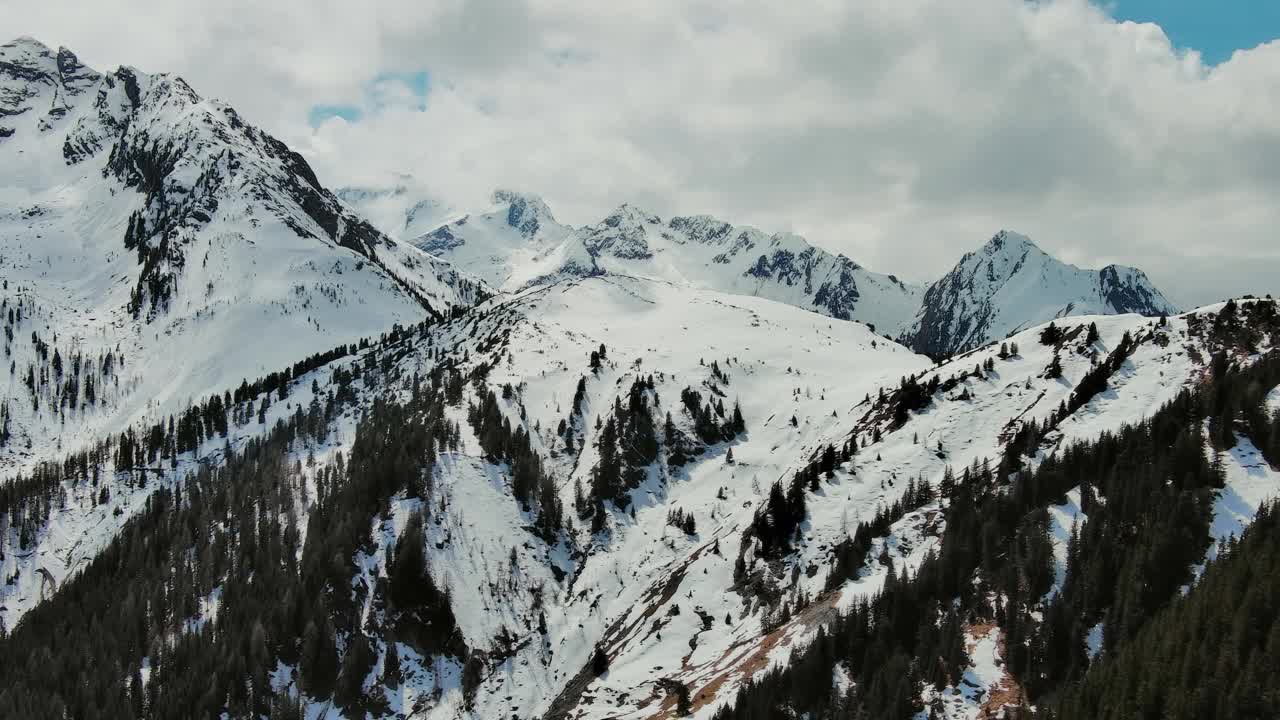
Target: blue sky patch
[(320, 113), (403, 88), (417, 82), (1216, 28)]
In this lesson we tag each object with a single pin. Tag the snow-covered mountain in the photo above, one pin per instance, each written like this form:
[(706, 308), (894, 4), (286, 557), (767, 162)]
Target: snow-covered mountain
[(518, 242), (400, 208), (513, 243), (1010, 284), (669, 581), (154, 247), (655, 466)]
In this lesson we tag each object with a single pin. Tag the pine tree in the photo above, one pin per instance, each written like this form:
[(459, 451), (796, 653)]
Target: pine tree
[(1054, 370), (684, 707), (319, 659), (579, 394), (599, 662), (356, 664), (391, 673)]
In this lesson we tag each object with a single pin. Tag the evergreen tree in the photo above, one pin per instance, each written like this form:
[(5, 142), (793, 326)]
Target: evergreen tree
[(356, 664), (319, 667), (1054, 371), (1051, 334), (391, 673)]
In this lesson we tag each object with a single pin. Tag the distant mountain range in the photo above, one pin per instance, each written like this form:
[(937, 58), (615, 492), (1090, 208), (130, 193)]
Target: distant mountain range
[(1007, 285)]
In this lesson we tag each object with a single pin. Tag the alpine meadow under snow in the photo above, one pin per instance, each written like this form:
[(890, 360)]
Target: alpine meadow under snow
[(268, 450)]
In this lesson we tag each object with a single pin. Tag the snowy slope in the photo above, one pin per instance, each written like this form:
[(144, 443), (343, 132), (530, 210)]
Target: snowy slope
[(662, 603), (540, 341), (1010, 284), (1250, 481), (965, 425), (164, 249), (673, 332), (655, 598)]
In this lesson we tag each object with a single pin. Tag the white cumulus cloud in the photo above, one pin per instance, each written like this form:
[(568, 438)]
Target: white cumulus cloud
[(901, 132)]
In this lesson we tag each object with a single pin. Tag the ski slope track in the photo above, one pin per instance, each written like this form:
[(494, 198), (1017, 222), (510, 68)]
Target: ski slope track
[(167, 249)]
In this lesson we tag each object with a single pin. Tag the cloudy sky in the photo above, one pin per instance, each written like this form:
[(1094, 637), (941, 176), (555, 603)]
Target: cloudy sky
[(899, 132)]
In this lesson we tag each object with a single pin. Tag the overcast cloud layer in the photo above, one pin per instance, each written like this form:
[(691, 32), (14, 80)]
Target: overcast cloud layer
[(900, 132)]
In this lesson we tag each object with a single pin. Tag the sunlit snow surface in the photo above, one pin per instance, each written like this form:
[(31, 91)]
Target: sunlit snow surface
[(1250, 481)]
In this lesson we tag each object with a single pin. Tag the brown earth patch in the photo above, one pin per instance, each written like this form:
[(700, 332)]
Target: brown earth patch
[(821, 611), (1005, 693)]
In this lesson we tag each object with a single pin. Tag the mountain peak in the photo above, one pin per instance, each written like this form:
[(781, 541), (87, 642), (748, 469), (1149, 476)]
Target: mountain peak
[(1010, 284), (67, 60), (1129, 290), (628, 214), (704, 228), (25, 58), (526, 212), (35, 78), (503, 196), (1124, 270), (26, 42), (1010, 242)]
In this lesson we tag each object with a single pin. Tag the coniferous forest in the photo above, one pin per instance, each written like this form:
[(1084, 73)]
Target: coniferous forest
[(272, 542), (233, 532), (1147, 489)]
